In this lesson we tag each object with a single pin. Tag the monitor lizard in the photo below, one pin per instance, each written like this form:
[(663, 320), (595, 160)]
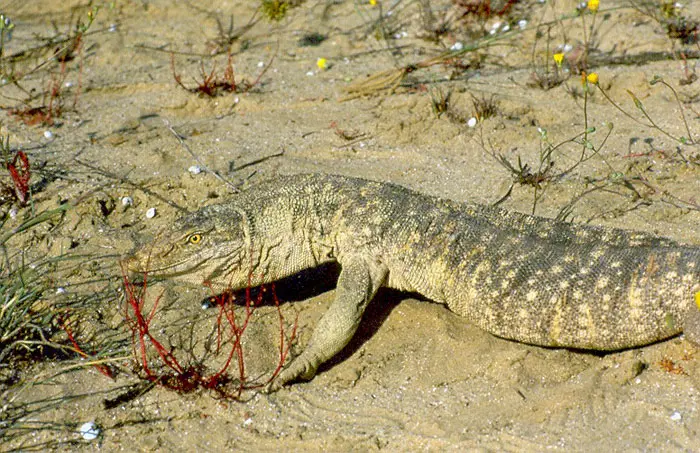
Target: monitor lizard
[(520, 277)]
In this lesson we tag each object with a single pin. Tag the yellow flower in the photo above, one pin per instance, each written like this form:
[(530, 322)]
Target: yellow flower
[(373, 2), (322, 63), (558, 58), (697, 299), (593, 5), (592, 78)]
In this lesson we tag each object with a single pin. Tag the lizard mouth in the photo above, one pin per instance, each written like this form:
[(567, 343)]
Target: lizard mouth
[(175, 269)]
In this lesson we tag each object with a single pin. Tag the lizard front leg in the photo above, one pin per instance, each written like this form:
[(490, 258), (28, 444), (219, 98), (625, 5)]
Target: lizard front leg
[(358, 282)]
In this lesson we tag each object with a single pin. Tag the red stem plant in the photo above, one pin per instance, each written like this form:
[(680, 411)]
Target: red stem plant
[(211, 85), (483, 8), (52, 100), (170, 373), (20, 173), (104, 369)]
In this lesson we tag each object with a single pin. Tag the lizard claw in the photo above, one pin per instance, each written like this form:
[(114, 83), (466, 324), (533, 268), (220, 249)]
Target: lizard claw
[(299, 369)]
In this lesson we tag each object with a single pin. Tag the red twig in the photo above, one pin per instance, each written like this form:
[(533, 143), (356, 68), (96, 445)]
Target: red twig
[(211, 85), (193, 376), (20, 175), (104, 369)]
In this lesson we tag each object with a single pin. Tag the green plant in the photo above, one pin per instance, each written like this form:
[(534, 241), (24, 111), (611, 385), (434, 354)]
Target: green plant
[(24, 314), (650, 122)]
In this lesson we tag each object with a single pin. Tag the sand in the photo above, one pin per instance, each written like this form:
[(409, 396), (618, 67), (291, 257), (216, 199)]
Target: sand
[(416, 376)]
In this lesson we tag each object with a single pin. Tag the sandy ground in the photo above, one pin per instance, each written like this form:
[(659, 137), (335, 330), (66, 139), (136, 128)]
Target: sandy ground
[(416, 376)]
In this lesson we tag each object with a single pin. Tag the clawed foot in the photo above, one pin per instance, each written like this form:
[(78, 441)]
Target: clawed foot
[(301, 369)]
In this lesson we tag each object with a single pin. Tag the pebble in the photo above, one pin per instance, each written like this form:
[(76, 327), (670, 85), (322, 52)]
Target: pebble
[(457, 46), (60, 290), (127, 201), (48, 135), (89, 431), (676, 416), (472, 122), (195, 169), (151, 213)]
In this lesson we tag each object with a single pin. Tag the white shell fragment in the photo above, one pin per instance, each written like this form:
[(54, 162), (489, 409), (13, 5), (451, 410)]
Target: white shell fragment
[(127, 201), (676, 416), (89, 431), (195, 169), (151, 213)]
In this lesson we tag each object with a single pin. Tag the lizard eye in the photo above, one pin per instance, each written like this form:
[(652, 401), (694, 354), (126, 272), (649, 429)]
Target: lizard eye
[(194, 238)]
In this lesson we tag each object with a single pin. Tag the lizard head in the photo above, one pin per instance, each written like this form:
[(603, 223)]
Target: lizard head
[(206, 247)]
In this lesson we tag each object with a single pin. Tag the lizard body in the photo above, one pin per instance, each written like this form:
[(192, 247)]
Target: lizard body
[(520, 277)]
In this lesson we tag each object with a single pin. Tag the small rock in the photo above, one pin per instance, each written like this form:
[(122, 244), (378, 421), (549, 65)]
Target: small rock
[(195, 169), (151, 213), (127, 201), (89, 431), (48, 135)]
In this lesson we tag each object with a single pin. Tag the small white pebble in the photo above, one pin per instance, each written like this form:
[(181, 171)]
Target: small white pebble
[(48, 135), (505, 28), (236, 100), (151, 213), (457, 46), (127, 201), (13, 212), (60, 290), (195, 169), (676, 416), (496, 26), (310, 73), (261, 64), (567, 48), (89, 431), (522, 24), (248, 422), (638, 381), (68, 84), (472, 122), (113, 27)]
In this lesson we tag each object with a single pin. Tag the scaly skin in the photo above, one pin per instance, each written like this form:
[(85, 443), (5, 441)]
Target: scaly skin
[(519, 277)]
